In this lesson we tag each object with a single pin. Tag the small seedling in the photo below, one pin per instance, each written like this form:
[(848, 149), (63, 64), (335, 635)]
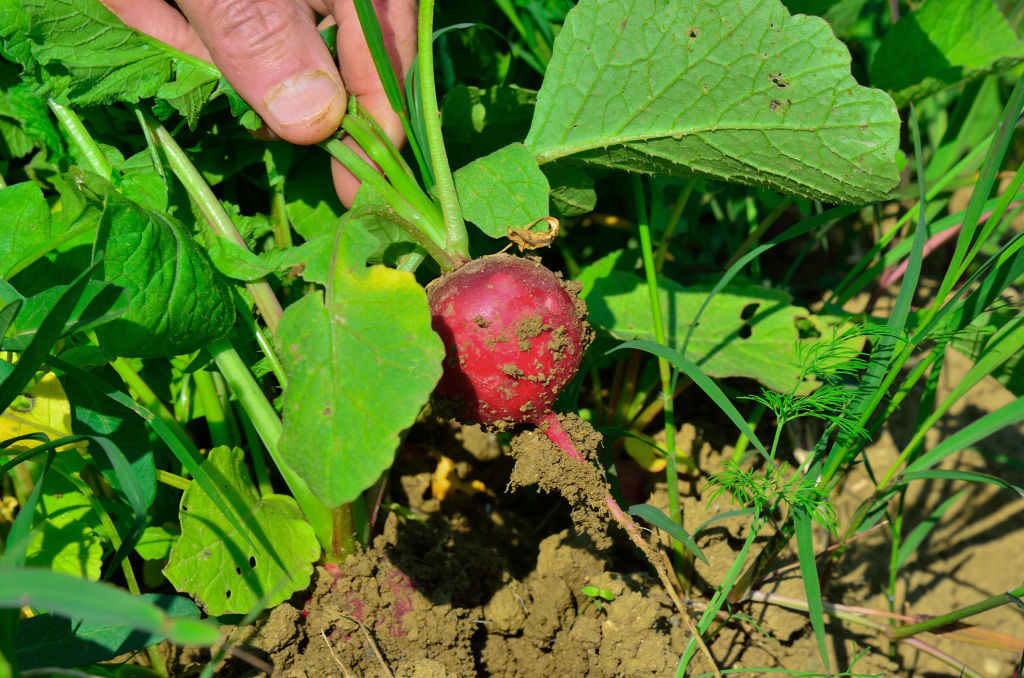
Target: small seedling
[(596, 596)]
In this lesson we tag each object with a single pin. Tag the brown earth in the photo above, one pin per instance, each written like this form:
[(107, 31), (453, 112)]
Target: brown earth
[(486, 582)]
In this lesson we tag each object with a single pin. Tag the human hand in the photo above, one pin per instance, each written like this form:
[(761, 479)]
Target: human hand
[(272, 54)]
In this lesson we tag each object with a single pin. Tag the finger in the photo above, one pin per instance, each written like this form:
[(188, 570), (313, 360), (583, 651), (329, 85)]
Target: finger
[(398, 26), (271, 53), (160, 20)]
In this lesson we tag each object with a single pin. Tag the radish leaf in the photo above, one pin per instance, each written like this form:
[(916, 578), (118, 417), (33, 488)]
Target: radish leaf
[(361, 360), (737, 90), (228, 571)]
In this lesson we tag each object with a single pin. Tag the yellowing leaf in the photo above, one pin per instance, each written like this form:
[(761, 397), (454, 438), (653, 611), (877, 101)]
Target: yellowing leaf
[(48, 412)]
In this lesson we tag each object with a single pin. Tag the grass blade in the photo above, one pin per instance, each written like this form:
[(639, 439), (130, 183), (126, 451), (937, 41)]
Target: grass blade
[(1007, 415), (96, 603), (950, 474), (655, 517), (690, 369), (920, 533), (809, 573), (49, 331)]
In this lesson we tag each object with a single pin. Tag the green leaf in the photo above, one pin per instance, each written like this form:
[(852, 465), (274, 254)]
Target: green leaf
[(572, 189), (179, 302), (100, 303), (501, 190), (478, 121), (809, 574), (971, 342), (96, 603), (90, 57), (736, 90), (47, 640), (655, 517), (917, 536), (951, 474), (944, 43), (746, 330), (12, 383), (156, 543), (26, 216), (235, 261), (361, 360), (33, 123), (189, 91), (229, 572)]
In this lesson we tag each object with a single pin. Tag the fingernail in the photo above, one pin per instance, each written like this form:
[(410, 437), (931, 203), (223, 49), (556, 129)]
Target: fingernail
[(303, 98)]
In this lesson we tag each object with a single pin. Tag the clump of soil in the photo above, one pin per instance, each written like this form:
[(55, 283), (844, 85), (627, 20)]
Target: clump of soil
[(414, 605)]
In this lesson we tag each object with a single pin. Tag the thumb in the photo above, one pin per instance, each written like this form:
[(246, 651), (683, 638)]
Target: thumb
[(272, 54)]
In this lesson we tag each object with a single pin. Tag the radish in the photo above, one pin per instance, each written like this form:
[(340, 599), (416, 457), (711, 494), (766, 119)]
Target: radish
[(514, 333)]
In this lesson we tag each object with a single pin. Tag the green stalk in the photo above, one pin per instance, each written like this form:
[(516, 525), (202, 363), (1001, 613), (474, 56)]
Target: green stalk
[(721, 595), (679, 554), (149, 399), (215, 419), (218, 220), (81, 138), (901, 632), (395, 200), (259, 464), (268, 425), (395, 170), (172, 480), (457, 239), (389, 79), (673, 223)]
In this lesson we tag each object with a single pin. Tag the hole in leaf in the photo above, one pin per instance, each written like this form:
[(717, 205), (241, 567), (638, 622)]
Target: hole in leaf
[(238, 570), (252, 561), (749, 310), (745, 331), (693, 33), (227, 594)]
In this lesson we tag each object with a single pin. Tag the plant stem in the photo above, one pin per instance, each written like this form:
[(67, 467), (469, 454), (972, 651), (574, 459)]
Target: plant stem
[(81, 138), (218, 220), (343, 540), (901, 632), (457, 239), (375, 142), (172, 480), (268, 425), (679, 556), (215, 419), (395, 200), (673, 223)]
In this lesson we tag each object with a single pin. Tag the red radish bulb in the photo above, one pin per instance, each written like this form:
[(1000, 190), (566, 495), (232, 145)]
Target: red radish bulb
[(514, 333)]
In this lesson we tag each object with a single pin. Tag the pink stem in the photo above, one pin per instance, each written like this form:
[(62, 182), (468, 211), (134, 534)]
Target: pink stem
[(556, 433)]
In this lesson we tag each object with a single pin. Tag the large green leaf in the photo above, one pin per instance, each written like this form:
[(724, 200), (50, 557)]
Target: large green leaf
[(230, 571), (501, 190), (89, 56), (362, 360), (746, 331), (944, 43), (732, 89), (179, 302)]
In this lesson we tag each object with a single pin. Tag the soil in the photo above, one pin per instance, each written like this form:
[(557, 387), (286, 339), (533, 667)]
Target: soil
[(486, 580)]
